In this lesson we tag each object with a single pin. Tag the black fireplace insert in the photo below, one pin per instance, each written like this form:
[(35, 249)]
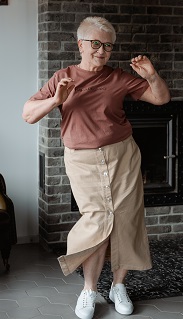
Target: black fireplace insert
[(158, 131)]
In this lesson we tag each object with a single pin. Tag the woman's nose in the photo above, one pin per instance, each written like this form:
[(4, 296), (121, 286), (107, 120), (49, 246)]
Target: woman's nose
[(101, 49)]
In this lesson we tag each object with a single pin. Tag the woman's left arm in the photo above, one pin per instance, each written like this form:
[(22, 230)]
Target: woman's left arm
[(157, 92)]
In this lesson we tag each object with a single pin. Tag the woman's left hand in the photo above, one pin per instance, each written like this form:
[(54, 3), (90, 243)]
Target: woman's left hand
[(143, 66)]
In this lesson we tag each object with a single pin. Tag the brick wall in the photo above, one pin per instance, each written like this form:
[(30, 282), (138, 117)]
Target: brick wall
[(146, 27)]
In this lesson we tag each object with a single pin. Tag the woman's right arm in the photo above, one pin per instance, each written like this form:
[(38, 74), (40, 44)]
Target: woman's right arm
[(34, 110)]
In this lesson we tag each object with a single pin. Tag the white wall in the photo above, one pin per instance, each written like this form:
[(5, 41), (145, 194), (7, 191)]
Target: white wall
[(19, 140)]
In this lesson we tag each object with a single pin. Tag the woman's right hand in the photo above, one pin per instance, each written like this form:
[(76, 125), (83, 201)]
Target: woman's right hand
[(64, 88)]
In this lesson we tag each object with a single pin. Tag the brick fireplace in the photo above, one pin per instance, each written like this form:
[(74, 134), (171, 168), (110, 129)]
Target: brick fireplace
[(154, 30)]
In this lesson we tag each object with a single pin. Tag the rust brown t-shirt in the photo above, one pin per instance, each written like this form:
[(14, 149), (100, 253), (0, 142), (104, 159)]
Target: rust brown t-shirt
[(93, 114)]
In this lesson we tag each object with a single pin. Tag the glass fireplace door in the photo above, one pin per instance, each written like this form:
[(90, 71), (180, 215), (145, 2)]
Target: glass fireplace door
[(156, 140)]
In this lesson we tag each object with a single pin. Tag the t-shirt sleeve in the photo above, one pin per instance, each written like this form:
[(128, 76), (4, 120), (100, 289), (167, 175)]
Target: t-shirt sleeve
[(135, 86), (48, 90)]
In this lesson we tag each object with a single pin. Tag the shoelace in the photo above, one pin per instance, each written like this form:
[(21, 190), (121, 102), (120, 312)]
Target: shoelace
[(122, 295), (88, 298)]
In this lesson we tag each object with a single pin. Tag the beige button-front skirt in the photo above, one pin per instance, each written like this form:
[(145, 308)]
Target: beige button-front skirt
[(108, 188)]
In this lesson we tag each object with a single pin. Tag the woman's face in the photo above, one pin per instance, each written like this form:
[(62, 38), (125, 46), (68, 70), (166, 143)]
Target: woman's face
[(94, 59)]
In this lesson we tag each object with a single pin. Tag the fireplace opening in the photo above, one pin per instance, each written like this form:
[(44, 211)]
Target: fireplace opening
[(158, 131), (156, 138)]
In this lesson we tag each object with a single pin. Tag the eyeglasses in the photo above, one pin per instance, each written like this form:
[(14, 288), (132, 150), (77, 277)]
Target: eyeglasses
[(96, 44)]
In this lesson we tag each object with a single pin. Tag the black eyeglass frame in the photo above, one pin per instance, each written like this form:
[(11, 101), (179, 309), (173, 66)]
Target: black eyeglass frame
[(101, 43)]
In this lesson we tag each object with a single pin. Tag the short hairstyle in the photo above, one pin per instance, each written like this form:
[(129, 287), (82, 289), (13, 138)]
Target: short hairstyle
[(89, 23)]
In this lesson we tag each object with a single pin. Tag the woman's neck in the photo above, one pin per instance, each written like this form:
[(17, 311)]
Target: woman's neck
[(90, 67)]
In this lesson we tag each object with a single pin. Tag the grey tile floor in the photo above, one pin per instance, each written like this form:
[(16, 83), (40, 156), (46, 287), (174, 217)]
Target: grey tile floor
[(36, 288)]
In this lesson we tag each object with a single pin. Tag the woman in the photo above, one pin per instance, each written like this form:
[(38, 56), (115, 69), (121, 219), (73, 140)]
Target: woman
[(102, 160)]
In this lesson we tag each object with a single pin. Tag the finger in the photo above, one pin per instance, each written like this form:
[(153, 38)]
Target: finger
[(138, 58), (65, 81), (134, 67)]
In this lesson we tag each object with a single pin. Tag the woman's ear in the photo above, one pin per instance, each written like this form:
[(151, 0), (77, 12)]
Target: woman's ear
[(80, 46)]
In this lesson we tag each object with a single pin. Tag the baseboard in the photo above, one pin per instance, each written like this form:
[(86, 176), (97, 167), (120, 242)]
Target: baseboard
[(28, 239)]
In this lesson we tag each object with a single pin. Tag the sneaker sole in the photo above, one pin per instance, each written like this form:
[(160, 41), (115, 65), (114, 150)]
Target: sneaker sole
[(124, 312), (79, 315)]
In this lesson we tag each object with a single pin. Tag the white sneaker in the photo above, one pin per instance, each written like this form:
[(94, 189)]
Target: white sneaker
[(119, 296), (85, 306)]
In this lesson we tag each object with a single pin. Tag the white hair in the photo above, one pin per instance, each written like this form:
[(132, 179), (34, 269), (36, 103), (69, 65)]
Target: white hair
[(89, 23)]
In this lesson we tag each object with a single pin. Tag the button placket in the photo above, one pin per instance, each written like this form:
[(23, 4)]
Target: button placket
[(105, 182)]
